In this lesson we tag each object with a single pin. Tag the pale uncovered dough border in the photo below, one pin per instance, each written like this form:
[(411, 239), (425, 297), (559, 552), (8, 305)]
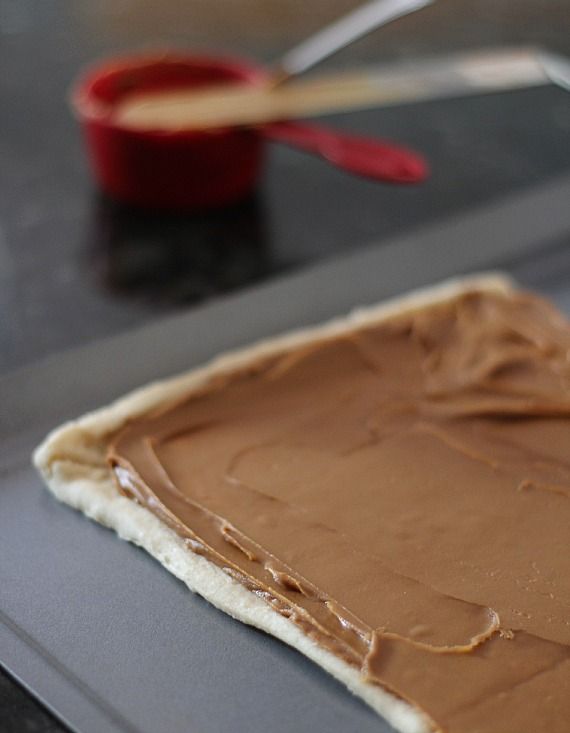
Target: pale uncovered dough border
[(72, 463)]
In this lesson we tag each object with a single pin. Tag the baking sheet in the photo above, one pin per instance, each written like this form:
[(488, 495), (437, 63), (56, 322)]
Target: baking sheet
[(95, 627)]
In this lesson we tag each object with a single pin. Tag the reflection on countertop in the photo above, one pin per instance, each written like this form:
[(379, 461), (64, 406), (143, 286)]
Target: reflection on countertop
[(165, 258)]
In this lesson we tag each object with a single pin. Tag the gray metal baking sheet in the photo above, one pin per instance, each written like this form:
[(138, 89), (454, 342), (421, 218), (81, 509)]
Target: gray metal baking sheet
[(97, 629)]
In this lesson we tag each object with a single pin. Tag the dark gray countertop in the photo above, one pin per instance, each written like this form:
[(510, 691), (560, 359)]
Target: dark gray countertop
[(74, 266)]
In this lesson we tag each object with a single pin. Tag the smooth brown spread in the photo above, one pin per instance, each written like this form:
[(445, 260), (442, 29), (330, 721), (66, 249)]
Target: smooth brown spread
[(402, 494)]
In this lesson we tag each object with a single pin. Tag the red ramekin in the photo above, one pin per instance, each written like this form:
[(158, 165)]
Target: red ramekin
[(182, 170)]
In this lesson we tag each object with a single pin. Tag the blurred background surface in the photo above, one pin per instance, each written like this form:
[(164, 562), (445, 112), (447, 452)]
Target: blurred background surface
[(75, 266)]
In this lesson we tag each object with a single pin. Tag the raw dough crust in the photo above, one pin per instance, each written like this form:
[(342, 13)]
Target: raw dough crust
[(72, 462)]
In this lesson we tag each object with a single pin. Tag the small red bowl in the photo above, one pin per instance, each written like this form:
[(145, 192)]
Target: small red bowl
[(188, 170)]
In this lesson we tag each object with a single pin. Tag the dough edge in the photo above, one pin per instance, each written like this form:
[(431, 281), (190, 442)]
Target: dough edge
[(71, 460)]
